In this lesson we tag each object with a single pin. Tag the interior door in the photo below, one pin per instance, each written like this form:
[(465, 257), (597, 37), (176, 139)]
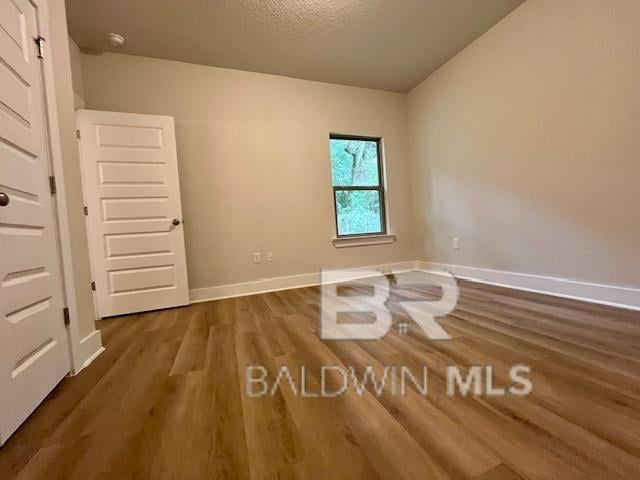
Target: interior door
[(130, 170), (34, 354)]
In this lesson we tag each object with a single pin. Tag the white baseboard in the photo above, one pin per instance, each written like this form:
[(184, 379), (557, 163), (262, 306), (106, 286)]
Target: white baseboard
[(89, 349), (611, 295), (273, 284)]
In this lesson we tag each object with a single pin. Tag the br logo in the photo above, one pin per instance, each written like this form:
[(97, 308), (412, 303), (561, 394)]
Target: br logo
[(369, 294)]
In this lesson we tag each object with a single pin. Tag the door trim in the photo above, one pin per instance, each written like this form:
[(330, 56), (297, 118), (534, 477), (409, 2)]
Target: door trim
[(82, 350)]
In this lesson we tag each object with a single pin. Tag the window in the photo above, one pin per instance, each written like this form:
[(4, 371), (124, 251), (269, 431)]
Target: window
[(358, 185)]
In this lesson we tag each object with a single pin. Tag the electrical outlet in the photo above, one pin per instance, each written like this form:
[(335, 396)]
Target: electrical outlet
[(257, 257), (269, 256), (456, 243)]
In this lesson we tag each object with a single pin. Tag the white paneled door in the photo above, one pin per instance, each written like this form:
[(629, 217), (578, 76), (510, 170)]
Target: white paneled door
[(34, 354), (130, 171)]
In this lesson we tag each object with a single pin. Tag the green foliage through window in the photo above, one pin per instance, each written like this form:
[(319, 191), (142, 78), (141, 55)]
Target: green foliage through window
[(357, 185)]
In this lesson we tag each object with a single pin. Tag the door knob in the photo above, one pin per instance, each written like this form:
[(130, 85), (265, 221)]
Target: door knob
[(176, 222), (4, 199)]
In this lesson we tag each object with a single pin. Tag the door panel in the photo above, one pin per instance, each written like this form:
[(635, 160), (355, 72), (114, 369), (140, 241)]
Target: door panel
[(128, 136), (132, 192), (142, 279), (16, 168), (135, 209), (126, 174), (138, 244), (34, 354)]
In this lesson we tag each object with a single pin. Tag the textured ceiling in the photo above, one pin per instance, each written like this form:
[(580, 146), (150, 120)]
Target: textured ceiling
[(384, 44)]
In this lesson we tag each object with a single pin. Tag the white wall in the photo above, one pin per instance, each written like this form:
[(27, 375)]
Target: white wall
[(253, 153), (76, 74), (526, 145)]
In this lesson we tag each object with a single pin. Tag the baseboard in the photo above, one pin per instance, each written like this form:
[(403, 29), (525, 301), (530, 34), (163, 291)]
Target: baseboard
[(273, 284), (89, 349), (610, 295)]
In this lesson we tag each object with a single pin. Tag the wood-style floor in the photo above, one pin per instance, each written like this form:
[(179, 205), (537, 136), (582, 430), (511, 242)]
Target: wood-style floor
[(168, 399)]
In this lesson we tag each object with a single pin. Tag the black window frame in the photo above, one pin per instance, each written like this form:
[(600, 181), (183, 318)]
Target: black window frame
[(380, 188)]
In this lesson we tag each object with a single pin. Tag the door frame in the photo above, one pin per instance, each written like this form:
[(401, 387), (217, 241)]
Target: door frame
[(79, 358), (94, 293)]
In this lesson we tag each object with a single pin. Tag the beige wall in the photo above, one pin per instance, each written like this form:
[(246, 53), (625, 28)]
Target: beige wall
[(76, 74), (59, 45), (254, 161), (526, 145)]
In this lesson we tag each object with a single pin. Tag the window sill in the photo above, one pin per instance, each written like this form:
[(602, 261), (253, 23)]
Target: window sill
[(363, 240)]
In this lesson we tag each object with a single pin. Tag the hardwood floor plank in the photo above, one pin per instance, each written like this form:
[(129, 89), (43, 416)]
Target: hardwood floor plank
[(320, 423), (455, 450), (272, 436), (192, 350), (388, 446), (224, 416)]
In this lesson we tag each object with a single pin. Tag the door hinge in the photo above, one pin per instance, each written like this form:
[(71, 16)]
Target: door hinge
[(78, 134), (86, 211), (52, 185), (40, 44), (67, 318), (93, 286)]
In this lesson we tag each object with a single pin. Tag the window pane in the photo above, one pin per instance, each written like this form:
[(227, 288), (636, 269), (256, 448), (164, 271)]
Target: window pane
[(354, 163), (358, 211)]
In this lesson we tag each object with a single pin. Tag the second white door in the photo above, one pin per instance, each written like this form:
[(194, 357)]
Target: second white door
[(132, 191)]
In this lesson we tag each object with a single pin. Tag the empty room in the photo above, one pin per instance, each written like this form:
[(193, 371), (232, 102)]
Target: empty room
[(319, 239)]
